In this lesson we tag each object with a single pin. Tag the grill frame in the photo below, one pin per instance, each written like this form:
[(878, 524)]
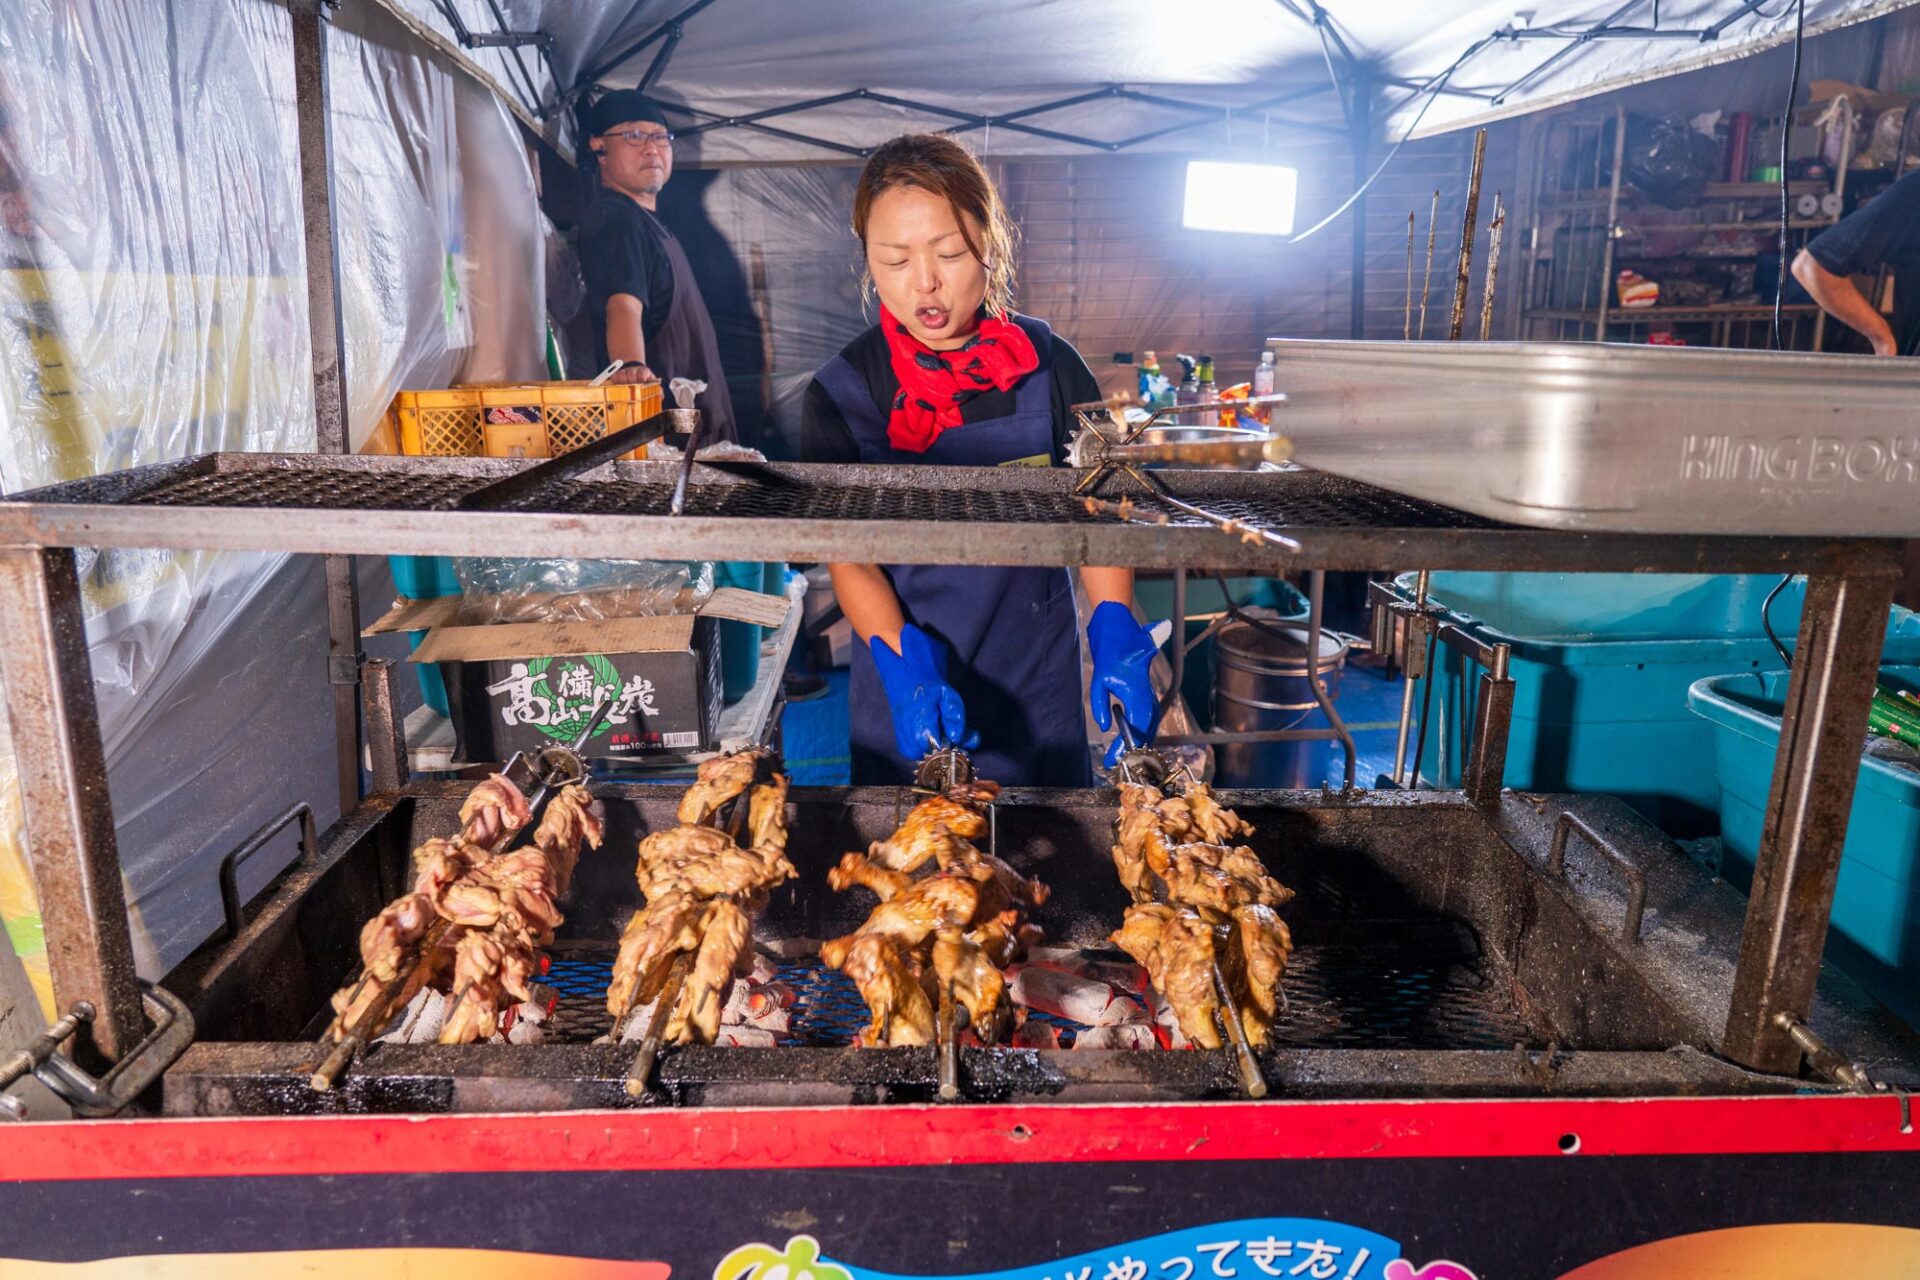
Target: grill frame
[(803, 512), (1634, 1021)]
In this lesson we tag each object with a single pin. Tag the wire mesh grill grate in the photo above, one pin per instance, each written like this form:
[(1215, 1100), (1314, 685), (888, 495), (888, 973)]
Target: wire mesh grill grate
[(1296, 500), (1383, 994)]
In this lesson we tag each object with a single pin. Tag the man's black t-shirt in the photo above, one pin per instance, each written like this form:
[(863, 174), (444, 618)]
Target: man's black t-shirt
[(621, 252), (1883, 232), (825, 436)]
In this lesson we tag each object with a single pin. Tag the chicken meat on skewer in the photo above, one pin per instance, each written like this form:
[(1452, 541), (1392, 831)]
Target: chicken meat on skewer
[(716, 782), (888, 976), (725, 953), (493, 812), (572, 818), (932, 826), (668, 925), (963, 964)]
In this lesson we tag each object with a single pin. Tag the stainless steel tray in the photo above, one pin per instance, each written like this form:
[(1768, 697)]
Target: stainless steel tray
[(1612, 437)]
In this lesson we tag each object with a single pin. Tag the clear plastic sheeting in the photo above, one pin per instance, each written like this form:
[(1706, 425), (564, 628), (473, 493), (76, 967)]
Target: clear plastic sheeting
[(497, 589), (153, 306)]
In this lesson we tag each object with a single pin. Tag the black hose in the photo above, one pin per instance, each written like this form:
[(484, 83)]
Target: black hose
[(1766, 621), (1786, 133)]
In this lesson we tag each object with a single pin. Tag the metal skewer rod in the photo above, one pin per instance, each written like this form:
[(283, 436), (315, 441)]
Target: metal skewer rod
[(1493, 266), (1426, 281), (642, 1069), (947, 1045), (1465, 270), (1406, 692), (1406, 325), (1250, 1077), (1238, 528)]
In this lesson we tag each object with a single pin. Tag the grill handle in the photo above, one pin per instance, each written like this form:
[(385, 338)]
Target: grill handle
[(230, 903), (1635, 877)]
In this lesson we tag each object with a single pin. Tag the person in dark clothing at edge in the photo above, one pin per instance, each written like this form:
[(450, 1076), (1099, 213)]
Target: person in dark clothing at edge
[(641, 295), (1884, 232), (981, 657)]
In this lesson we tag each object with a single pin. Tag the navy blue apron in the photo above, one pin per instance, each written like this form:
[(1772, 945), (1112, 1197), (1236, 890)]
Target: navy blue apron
[(1011, 633)]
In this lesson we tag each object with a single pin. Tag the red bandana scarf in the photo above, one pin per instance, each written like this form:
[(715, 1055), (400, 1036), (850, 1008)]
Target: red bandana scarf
[(934, 384)]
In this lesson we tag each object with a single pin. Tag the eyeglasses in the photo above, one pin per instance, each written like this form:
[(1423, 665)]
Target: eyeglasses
[(643, 137)]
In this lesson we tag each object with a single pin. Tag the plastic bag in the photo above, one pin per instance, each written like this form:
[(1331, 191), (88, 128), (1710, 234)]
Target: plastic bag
[(498, 589), (1668, 160)]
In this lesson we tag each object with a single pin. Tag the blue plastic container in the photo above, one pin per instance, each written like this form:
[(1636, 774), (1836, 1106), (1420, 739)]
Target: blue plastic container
[(739, 641), (422, 578), (1876, 906), (1601, 668)]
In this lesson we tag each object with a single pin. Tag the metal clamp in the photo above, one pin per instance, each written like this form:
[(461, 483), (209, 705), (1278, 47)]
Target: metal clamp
[(106, 1095), (230, 903), (1635, 877)]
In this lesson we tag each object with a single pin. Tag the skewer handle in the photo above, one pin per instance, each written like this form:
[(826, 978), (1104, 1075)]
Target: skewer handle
[(642, 1069), (1250, 1077), (948, 1046), (328, 1071)]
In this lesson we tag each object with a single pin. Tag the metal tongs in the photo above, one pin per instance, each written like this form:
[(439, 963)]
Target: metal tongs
[(548, 769), (521, 485)]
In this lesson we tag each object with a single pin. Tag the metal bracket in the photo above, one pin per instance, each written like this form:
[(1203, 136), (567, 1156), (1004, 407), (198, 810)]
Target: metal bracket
[(1635, 877), (344, 668), (106, 1095), (230, 865), (1821, 1056)]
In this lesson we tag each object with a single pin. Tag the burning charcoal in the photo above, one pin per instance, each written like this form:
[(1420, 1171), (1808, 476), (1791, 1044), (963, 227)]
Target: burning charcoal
[(746, 1037), (1035, 1034), (1118, 1035), (1067, 995)]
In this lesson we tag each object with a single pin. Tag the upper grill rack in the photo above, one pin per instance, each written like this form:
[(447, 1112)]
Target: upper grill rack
[(1297, 500)]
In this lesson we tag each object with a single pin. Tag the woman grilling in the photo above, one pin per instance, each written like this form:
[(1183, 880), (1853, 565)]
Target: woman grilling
[(979, 657)]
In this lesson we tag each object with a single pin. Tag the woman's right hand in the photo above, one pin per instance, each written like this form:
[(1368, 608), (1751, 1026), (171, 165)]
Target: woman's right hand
[(927, 711)]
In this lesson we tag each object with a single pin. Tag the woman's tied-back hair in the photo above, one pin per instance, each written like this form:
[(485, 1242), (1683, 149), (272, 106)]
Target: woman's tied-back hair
[(942, 167)]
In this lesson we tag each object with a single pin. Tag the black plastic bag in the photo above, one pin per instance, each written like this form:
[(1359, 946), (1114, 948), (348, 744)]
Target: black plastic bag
[(1669, 161)]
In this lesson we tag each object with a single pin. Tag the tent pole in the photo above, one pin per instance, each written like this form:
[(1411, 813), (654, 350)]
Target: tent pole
[(1360, 123), (328, 340)]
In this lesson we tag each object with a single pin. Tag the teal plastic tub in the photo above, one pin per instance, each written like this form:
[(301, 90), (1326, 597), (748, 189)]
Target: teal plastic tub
[(1601, 667), (422, 578), (1278, 598), (739, 641), (1876, 906)]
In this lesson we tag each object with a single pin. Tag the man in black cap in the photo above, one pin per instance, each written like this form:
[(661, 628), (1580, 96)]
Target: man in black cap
[(641, 294)]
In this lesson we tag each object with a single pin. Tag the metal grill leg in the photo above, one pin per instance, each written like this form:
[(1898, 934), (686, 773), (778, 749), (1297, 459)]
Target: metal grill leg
[(1825, 720), (386, 735), (63, 784)]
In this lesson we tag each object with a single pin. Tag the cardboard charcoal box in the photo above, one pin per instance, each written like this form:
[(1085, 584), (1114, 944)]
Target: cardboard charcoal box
[(523, 685)]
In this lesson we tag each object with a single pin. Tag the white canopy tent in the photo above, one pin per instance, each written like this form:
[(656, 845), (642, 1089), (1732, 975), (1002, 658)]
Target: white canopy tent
[(764, 81)]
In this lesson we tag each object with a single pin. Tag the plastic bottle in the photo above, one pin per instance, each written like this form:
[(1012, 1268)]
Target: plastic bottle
[(1189, 389), (1153, 385), (1204, 377), (1263, 376)]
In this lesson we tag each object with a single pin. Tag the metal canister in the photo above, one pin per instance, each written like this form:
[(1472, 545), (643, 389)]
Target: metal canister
[(1260, 683)]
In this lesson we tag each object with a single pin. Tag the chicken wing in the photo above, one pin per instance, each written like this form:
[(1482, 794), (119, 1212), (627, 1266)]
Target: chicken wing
[(767, 816), (933, 824), (389, 940), (716, 782), (964, 966), (572, 818), (658, 932), (1262, 945), (704, 861), (1141, 929), (911, 916), (888, 977), (856, 869), (1212, 822), (493, 811), (725, 943), (1182, 971)]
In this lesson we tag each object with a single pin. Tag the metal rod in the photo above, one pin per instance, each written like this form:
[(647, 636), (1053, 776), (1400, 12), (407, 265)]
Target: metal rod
[(1835, 666), (41, 1047), (1238, 528), (947, 1045), (679, 503), (373, 1017), (1316, 593), (326, 337), (1177, 662), (1426, 280), (1414, 635), (386, 733), (1820, 1055), (1493, 266), (1406, 324), (522, 485), (641, 1072), (1249, 1066), (63, 788), (1465, 269)]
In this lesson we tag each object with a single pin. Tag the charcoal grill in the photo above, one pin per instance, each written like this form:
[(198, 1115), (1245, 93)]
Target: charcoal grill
[(1436, 956), (1538, 990)]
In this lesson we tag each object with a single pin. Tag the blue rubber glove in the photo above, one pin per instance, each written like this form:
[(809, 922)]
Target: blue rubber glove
[(1122, 652), (927, 711)]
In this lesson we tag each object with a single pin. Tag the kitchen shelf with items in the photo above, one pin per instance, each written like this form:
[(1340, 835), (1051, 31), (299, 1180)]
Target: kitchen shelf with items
[(1653, 229)]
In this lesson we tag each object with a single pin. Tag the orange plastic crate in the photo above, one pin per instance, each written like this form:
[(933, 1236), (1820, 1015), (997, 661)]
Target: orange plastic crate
[(508, 420)]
